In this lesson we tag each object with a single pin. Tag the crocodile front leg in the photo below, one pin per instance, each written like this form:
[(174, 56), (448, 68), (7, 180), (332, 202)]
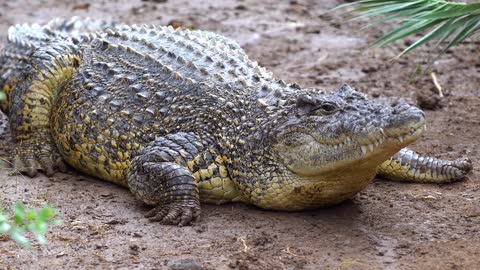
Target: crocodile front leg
[(406, 165), (30, 109), (159, 176)]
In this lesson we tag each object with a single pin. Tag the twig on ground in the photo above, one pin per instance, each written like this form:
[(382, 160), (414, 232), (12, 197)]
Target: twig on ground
[(244, 242), (292, 253), (437, 85), (4, 251)]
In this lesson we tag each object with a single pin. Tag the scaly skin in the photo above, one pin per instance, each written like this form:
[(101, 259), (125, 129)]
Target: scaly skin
[(183, 116), (24, 39), (407, 165)]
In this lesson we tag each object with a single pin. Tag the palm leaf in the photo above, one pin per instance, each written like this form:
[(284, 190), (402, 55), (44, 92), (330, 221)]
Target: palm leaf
[(452, 22)]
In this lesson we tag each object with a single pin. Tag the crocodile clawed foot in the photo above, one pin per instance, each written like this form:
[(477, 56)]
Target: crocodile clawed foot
[(31, 158), (177, 213)]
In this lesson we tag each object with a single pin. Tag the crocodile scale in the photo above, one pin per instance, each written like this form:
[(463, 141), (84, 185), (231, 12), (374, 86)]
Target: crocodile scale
[(184, 116)]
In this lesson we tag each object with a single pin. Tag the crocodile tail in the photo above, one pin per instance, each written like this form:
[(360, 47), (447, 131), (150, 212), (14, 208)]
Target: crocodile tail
[(409, 166)]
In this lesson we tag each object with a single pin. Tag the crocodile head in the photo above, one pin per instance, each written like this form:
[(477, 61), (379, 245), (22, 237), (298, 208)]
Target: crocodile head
[(325, 133), (325, 148)]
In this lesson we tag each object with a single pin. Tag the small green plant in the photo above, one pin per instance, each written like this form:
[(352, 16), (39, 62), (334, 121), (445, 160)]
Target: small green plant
[(452, 22), (27, 220)]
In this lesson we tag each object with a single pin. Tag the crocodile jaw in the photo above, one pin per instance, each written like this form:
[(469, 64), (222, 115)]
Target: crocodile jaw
[(335, 183), (315, 158)]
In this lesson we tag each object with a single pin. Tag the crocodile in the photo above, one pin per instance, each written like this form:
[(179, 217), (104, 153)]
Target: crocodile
[(184, 116)]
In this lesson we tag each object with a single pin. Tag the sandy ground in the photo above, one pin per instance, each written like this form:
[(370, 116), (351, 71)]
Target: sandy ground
[(388, 226)]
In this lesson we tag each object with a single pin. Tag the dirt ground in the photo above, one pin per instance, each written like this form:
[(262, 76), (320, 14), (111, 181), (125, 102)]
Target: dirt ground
[(389, 225)]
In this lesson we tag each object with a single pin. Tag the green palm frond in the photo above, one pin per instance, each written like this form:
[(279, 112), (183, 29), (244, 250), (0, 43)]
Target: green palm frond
[(448, 22)]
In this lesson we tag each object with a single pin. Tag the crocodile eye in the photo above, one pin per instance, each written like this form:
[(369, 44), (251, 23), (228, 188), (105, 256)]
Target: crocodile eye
[(315, 106), (325, 108)]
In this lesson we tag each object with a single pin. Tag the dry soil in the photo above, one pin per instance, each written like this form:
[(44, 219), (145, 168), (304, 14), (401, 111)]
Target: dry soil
[(389, 225)]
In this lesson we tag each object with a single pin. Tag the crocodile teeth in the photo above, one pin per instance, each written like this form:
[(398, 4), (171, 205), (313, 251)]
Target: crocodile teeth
[(401, 138), (370, 147), (364, 149)]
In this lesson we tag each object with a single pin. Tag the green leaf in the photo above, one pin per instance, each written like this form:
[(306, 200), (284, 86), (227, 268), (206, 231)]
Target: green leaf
[(469, 28), (40, 227), (28, 220), (4, 227), (19, 238), (450, 20), (444, 29), (453, 12), (387, 9), (408, 30), (30, 215), (18, 213), (404, 13), (46, 213), (40, 238)]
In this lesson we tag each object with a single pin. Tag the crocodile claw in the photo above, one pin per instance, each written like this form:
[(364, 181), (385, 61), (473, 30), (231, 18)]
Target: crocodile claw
[(177, 213), (31, 157)]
